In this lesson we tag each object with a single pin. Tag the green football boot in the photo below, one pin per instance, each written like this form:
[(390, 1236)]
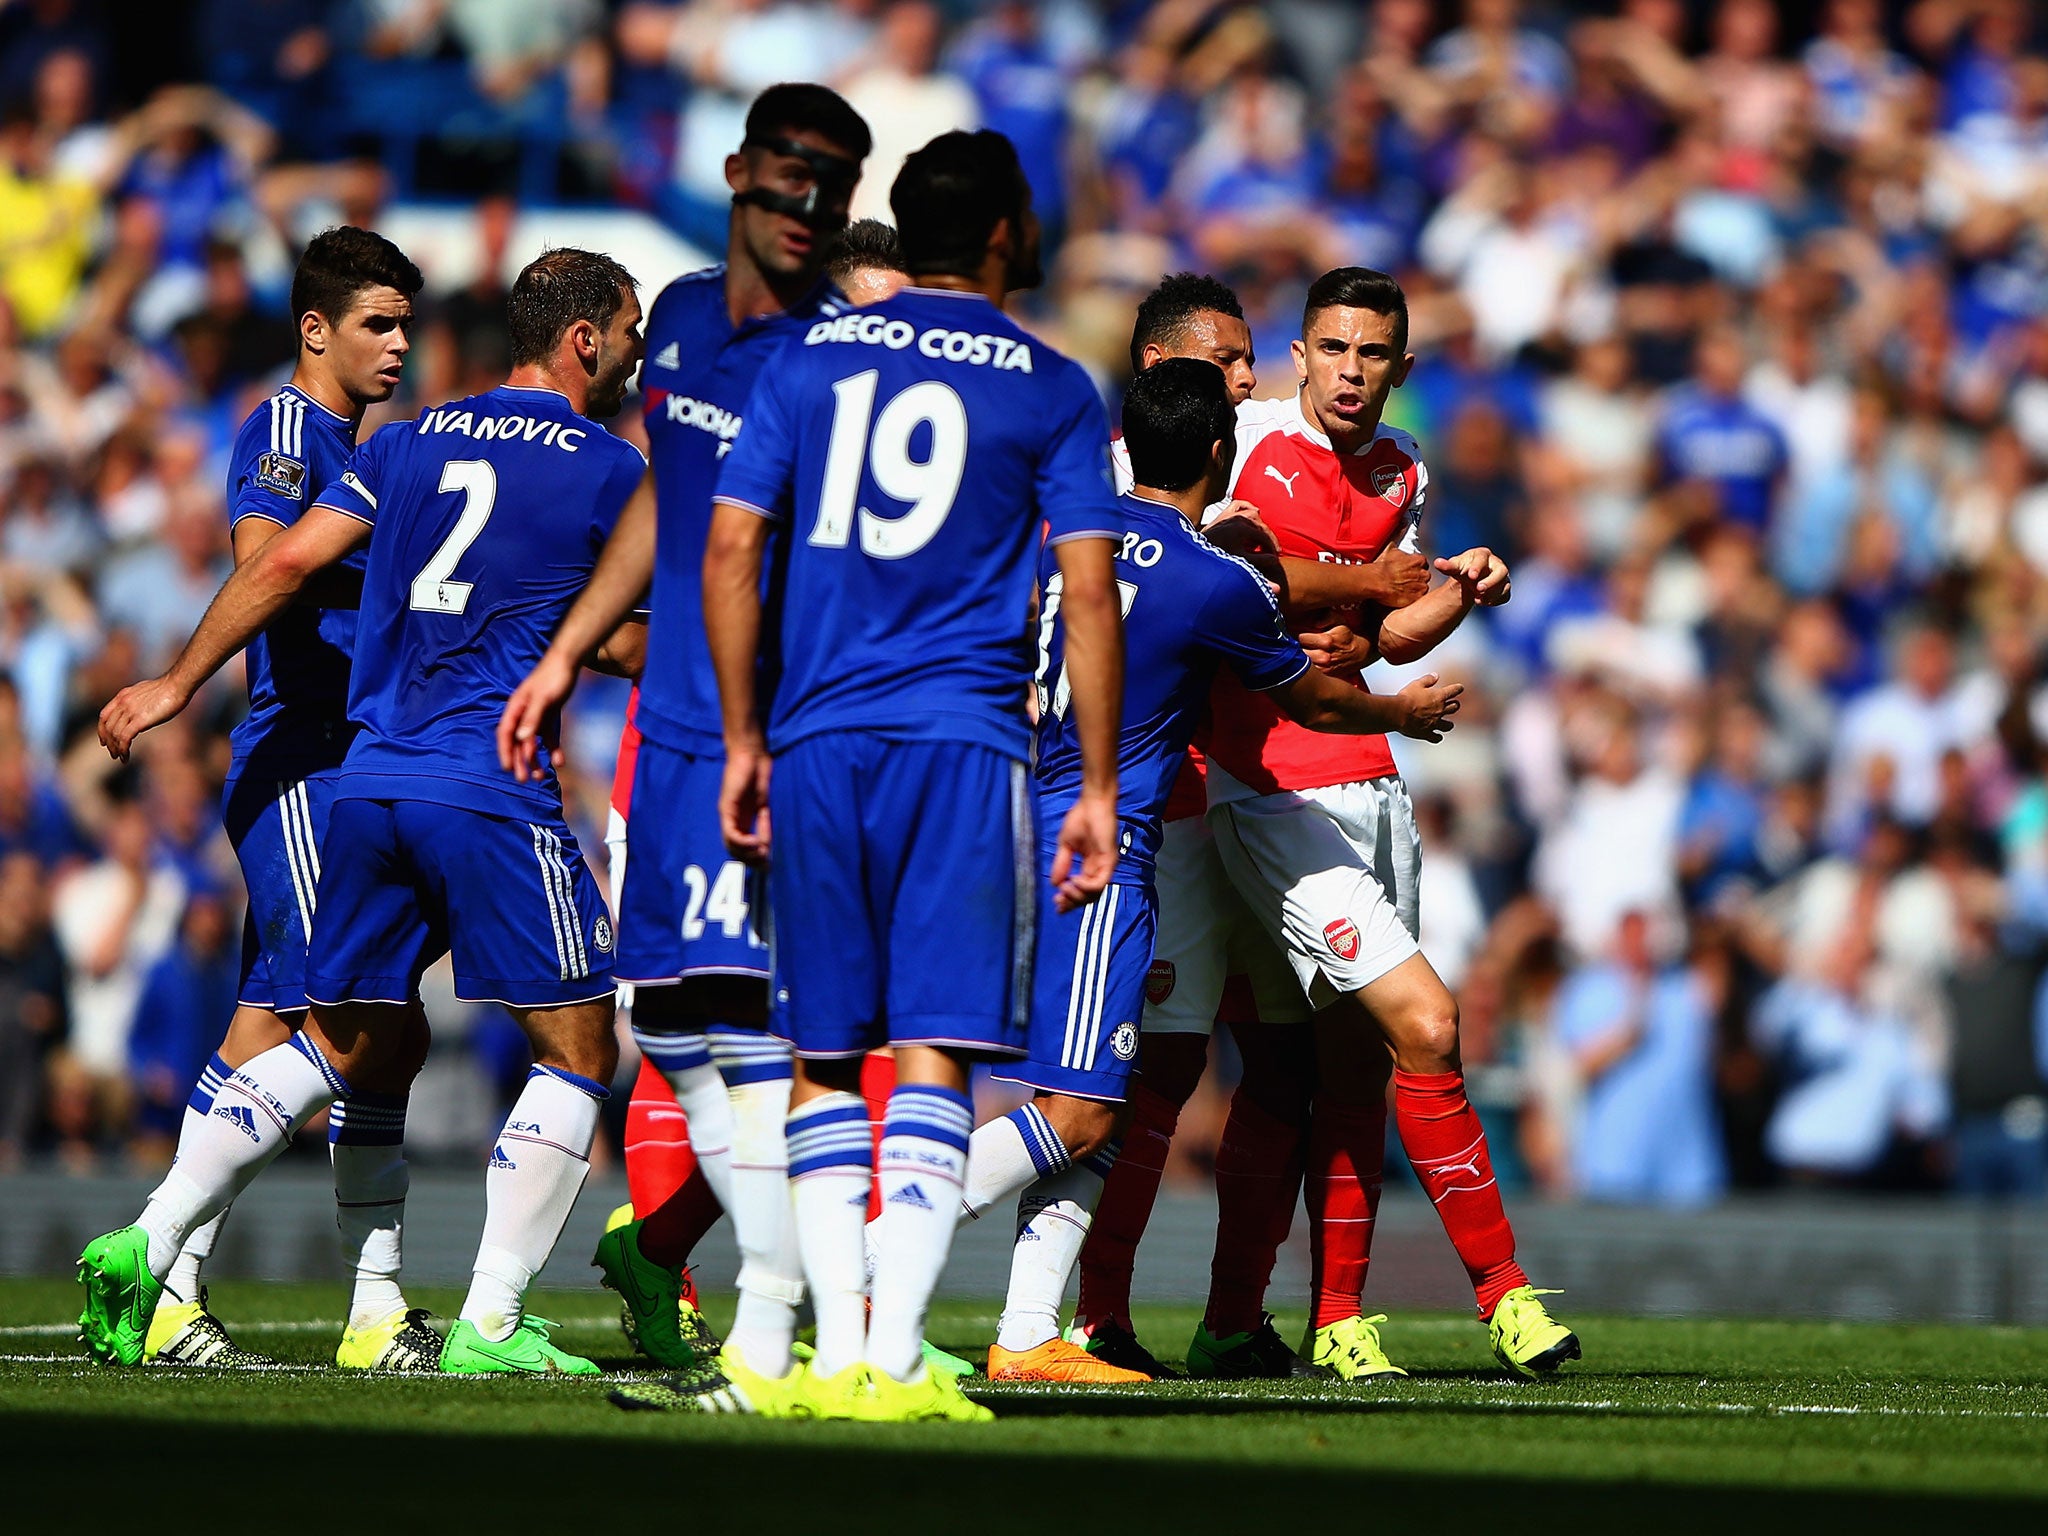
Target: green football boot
[(466, 1352), (1526, 1338), (932, 1398), (1351, 1348), (1260, 1355), (938, 1360), (651, 1293), (120, 1296)]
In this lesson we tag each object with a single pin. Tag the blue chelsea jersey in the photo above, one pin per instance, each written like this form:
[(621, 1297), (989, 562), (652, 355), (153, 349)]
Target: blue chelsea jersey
[(290, 450), (700, 369), (488, 515), (1188, 610), (915, 449)]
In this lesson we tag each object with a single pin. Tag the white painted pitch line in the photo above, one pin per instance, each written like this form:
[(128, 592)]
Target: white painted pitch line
[(70, 1330)]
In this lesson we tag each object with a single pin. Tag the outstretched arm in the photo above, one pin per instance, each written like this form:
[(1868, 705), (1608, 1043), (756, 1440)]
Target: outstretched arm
[(257, 593), (590, 629), (1090, 610), (732, 623), (1423, 709)]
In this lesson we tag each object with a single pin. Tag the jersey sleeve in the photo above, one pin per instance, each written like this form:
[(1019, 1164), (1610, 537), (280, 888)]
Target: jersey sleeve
[(1241, 625), (760, 472), (269, 481), (355, 491), (1408, 537), (1076, 486), (621, 481)]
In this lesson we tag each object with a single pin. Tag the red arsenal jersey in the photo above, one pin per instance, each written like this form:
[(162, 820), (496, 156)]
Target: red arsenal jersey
[(1321, 505), (629, 755)]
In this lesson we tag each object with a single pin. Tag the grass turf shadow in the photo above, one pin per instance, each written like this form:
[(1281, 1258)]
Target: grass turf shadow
[(873, 1480)]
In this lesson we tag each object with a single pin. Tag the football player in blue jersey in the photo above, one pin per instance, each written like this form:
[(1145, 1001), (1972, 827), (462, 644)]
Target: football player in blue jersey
[(482, 519), (1188, 610), (690, 943), (352, 296), (914, 453)]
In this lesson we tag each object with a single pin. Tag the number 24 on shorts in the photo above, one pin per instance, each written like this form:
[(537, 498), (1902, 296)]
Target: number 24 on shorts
[(720, 899)]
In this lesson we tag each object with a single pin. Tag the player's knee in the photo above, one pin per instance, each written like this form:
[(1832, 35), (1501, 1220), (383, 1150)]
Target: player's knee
[(1171, 1065), (1083, 1126), (1428, 1041)]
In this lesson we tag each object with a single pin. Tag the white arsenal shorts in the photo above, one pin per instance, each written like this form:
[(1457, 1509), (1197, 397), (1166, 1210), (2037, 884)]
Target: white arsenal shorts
[(1206, 935), (1332, 874)]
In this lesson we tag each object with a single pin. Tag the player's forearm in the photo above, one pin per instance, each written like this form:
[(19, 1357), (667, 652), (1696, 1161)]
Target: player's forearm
[(1408, 634), (1306, 585), (245, 605), (624, 654), (1320, 702), (617, 585), (732, 614), (1094, 656)]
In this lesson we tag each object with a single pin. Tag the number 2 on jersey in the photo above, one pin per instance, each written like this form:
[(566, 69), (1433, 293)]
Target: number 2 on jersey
[(929, 485), (432, 591)]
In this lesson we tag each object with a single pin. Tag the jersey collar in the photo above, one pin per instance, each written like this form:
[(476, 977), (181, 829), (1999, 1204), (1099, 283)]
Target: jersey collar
[(298, 393)]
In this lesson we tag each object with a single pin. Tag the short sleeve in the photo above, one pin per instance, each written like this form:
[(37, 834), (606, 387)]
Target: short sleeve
[(1241, 625), (355, 491), (1409, 537), (627, 471), (271, 479), (760, 472), (1076, 486)]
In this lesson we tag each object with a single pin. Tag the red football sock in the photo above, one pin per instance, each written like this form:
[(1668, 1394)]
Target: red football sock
[(672, 1230), (877, 1082), (1347, 1149), (1258, 1171), (658, 1155), (1447, 1146), (1125, 1208)]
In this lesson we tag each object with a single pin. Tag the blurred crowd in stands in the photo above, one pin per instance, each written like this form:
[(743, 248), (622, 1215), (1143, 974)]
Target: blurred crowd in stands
[(1733, 330)]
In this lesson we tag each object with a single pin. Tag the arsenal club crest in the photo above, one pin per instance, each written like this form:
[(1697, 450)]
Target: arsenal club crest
[(1390, 483), (1159, 982), (1342, 937)]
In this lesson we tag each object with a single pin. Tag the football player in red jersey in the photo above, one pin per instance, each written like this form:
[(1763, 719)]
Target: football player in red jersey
[(1319, 837), (1215, 963)]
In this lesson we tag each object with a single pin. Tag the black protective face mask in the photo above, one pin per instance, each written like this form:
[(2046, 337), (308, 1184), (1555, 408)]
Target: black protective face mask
[(823, 207)]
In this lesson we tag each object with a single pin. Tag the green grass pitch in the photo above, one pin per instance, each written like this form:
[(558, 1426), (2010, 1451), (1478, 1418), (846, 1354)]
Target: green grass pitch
[(1731, 1427)]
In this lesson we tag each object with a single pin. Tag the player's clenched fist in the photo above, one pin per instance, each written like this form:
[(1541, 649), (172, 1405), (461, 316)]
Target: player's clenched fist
[(1429, 706), (134, 710)]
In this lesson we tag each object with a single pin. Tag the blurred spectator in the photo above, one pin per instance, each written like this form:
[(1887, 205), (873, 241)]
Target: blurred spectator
[(1641, 1036), (178, 1021), (47, 216), (1714, 439), (905, 97), (31, 1000), (114, 919)]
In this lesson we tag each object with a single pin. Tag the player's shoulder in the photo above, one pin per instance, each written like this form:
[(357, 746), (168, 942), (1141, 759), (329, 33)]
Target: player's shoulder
[(1216, 573), (1275, 425)]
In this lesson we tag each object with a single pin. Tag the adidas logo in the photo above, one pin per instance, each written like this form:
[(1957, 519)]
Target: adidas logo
[(910, 1194), (242, 1118), (670, 356), (500, 1160)]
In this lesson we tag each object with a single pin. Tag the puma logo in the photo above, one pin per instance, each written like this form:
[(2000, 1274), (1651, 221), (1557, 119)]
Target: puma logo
[(1286, 480)]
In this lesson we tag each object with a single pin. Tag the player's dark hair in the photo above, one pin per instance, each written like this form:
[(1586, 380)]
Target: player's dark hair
[(1358, 288), (949, 197), (341, 264), (863, 245), (1174, 412), (799, 106), (1164, 313), (555, 290)]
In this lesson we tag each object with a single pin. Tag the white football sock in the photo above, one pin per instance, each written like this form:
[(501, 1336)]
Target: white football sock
[(1052, 1223), (1007, 1154), (184, 1280), (684, 1061), (922, 1171), (253, 1118), (537, 1169), (771, 1278), (367, 1139), (831, 1164)]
